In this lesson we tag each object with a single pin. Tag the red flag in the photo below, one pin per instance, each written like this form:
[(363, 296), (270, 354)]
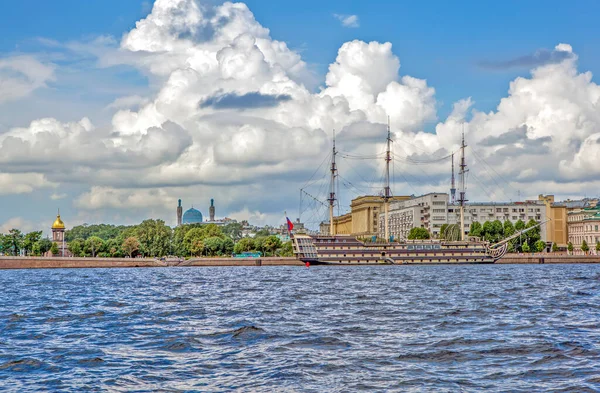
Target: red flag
[(290, 224)]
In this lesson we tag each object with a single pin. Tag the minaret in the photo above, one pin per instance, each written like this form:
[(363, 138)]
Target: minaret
[(463, 191), (211, 210), (179, 213), (387, 194), (332, 197)]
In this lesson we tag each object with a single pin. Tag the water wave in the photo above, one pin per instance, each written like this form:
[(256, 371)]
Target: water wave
[(393, 328)]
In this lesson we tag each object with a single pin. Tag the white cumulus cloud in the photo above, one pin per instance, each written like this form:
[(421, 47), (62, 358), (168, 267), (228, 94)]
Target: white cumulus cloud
[(233, 118)]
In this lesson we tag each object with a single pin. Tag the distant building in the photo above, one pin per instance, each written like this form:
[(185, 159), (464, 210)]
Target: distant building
[(584, 224), (58, 237), (556, 228), (298, 228), (431, 211), (363, 217), (428, 211), (192, 216)]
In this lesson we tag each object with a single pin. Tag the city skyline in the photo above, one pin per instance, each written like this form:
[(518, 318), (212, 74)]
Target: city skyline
[(116, 121)]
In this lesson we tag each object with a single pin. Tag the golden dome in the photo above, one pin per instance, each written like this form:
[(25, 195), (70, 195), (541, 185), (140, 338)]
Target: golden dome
[(58, 224)]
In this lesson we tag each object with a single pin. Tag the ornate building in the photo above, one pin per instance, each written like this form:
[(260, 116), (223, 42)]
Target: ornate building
[(584, 224), (58, 237), (192, 216)]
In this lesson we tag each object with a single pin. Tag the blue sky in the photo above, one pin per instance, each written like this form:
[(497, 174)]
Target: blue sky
[(436, 40), (448, 44)]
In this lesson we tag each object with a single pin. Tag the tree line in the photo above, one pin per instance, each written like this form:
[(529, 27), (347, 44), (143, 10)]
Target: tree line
[(493, 232), (151, 238)]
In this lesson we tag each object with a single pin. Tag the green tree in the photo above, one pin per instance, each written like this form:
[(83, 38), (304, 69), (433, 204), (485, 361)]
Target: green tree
[(130, 245), (13, 242), (233, 230), (113, 248), (452, 232), (533, 235), (570, 247), (519, 226), (476, 229), (227, 245), (154, 237), (286, 250), (584, 247), (54, 250), (487, 231), (259, 244), (196, 247), (94, 245), (76, 247), (540, 246), (212, 230), (35, 249), (597, 246), (30, 239), (443, 231), (525, 247), (554, 247), (193, 240), (244, 245), (418, 234), (44, 245), (103, 231), (508, 229), (213, 245), (498, 231), (271, 244), (178, 246)]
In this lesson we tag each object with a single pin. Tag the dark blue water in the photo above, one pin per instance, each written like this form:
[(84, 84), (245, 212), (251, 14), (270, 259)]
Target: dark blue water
[(263, 329)]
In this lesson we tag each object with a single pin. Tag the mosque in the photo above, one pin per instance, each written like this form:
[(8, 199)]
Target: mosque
[(194, 216)]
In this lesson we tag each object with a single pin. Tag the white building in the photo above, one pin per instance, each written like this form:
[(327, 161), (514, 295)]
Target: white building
[(431, 211), (427, 211)]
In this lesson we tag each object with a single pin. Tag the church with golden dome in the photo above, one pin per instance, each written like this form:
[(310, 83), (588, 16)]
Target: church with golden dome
[(58, 237)]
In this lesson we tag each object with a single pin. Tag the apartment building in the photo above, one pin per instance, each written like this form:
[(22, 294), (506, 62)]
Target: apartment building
[(431, 211)]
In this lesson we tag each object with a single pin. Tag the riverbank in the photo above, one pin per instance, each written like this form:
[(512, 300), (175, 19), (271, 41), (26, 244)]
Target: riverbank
[(64, 263), (67, 263), (548, 258)]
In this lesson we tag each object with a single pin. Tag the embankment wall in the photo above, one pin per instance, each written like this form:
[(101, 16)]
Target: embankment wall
[(61, 263)]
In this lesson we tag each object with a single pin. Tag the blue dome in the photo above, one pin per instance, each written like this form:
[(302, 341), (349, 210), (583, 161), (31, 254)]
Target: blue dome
[(192, 216)]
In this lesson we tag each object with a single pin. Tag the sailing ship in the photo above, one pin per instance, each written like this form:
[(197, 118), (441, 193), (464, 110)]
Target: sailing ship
[(338, 249)]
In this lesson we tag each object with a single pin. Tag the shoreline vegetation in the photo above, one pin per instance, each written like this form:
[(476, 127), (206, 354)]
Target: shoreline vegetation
[(151, 238)]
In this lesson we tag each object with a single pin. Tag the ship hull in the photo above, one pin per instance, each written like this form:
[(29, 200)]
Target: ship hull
[(396, 262), (346, 250)]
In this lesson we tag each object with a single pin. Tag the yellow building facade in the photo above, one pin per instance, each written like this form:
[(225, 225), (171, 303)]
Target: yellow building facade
[(363, 218), (557, 227)]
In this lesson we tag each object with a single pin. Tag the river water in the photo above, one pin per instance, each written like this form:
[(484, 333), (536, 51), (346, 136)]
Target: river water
[(519, 328)]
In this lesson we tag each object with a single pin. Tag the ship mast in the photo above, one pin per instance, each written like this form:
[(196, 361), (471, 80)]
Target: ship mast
[(386, 191), (332, 197), (462, 195), (453, 185)]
